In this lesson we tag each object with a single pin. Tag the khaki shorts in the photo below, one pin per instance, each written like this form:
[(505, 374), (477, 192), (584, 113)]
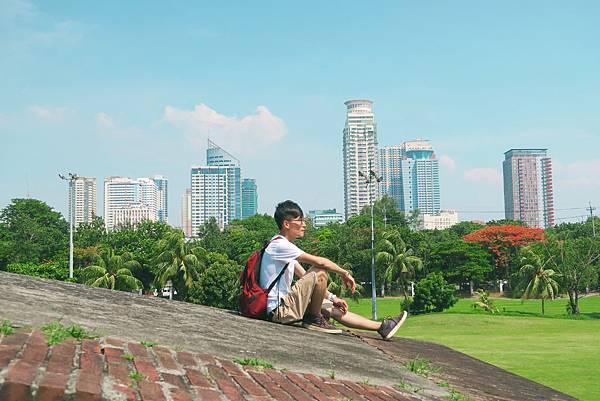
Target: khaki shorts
[(292, 307)]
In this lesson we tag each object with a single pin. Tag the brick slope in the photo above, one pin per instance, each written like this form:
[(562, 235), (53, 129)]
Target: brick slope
[(112, 369)]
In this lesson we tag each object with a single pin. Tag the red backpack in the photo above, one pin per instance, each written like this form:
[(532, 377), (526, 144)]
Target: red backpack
[(253, 299)]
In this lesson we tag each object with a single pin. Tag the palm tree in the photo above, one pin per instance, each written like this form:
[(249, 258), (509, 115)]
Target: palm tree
[(178, 261), (538, 281), (113, 271), (399, 263), (336, 286)]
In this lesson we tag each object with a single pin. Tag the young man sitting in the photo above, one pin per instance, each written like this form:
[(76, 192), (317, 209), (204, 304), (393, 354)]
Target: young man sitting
[(308, 299)]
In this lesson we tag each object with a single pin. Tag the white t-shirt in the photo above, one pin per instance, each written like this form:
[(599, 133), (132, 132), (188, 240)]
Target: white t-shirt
[(279, 253)]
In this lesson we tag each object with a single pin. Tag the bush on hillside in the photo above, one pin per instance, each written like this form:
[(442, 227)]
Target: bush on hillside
[(433, 294), (218, 285), (53, 270)]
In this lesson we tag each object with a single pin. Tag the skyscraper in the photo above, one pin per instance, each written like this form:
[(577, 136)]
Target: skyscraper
[(410, 175), (162, 204), (528, 189), (82, 200), (186, 212), (216, 189), (133, 200), (359, 155), (249, 198)]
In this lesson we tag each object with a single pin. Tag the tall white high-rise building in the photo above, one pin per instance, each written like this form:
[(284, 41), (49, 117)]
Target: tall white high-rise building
[(132, 199), (410, 175), (82, 200), (360, 156), (186, 212), (162, 204), (216, 189)]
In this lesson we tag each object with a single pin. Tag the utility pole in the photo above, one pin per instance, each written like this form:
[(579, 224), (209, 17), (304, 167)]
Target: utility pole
[(371, 178), (591, 209), (71, 178)]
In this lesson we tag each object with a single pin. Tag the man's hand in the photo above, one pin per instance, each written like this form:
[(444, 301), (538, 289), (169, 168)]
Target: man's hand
[(340, 304), (349, 281)]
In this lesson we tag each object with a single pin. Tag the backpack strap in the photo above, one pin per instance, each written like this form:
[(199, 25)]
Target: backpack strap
[(278, 277)]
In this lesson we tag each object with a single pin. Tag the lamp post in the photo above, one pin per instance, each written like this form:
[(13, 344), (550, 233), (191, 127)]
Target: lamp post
[(71, 178), (369, 179)]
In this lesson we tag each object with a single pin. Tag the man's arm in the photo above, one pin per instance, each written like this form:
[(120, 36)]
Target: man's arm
[(339, 302), (326, 264)]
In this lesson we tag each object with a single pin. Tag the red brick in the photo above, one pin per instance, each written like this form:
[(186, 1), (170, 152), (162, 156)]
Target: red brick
[(175, 380), (187, 360), (61, 359), (88, 387), (119, 372), (346, 392), (286, 385), (374, 392), (115, 342), (178, 394), (34, 353), (307, 386), (37, 338), (113, 355), (146, 368), (91, 363), (321, 385), (272, 388), (129, 393), (7, 354), (138, 350), (12, 391), (17, 339), (231, 368), (250, 386), (206, 394), (90, 346), (166, 359), (52, 387), (151, 391), (225, 383), (206, 359), (397, 394), (197, 378)]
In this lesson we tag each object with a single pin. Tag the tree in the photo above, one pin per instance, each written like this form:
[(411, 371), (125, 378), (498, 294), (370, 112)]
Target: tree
[(178, 261), (460, 262), (433, 294), (31, 231), (90, 234), (218, 285), (576, 261), (503, 242), (538, 282), (112, 271), (399, 263), (484, 302)]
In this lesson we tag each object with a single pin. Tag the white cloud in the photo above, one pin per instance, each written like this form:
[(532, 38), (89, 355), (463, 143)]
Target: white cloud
[(448, 163), (241, 135), (577, 175), (484, 174), (50, 114), (103, 120)]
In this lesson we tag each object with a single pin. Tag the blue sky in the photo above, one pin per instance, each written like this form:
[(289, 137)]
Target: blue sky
[(134, 89)]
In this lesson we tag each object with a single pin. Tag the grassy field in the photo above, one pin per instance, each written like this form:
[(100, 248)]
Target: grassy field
[(556, 350)]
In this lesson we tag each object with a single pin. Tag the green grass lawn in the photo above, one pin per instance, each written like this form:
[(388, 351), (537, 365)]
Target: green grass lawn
[(556, 350)]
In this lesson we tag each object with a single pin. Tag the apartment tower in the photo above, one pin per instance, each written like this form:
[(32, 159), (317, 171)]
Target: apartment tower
[(249, 198), (82, 200), (359, 156), (528, 188)]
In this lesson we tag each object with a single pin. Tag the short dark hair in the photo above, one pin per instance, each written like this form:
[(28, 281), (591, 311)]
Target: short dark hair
[(287, 210)]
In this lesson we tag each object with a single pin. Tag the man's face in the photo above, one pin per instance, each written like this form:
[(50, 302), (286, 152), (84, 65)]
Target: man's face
[(296, 227)]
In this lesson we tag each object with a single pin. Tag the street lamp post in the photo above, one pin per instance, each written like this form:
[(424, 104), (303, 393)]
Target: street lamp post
[(71, 178), (369, 179)]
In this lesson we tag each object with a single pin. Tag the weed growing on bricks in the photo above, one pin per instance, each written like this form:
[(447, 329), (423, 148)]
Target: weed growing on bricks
[(127, 356), (56, 332), (421, 367), (253, 362), (148, 344), (6, 328)]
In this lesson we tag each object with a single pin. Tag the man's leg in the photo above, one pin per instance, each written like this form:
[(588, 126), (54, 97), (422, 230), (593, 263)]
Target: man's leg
[(354, 321), (319, 291)]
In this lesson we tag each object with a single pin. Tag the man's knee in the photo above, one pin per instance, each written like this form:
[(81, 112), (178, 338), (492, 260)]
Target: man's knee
[(321, 276)]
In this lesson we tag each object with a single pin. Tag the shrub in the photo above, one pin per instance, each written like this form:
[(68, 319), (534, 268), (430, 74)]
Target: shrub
[(218, 285), (53, 270), (433, 294)]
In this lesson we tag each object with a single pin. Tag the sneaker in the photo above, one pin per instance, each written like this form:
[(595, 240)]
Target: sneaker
[(390, 326), (318, 323)]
